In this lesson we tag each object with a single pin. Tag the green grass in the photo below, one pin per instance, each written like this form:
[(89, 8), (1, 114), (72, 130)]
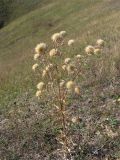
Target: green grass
[(84, 20), (12, 9)]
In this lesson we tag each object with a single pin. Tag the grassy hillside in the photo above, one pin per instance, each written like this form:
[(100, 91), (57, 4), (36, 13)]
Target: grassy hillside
[(12, 9), (32, 21), (84, 20)]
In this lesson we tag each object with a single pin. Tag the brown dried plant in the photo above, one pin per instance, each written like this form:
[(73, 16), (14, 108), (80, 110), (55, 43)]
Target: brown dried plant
[(59, 81)]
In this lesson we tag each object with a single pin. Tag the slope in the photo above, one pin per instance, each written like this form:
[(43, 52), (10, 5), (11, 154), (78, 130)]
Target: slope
[(85, 20)]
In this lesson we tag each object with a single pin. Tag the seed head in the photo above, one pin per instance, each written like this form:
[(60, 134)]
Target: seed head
[(70, 85), (41, 48), (89, 50), (78, 56), (35, 66), (57, 38), (71, 42), (41, 85), (100, 42), (54, 52), (63, 33), (67, 60)]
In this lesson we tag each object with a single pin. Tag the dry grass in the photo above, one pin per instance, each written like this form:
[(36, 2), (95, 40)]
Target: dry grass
[(28, 133)]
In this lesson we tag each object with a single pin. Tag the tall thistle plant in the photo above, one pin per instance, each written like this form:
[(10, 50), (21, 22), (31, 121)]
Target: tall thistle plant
[(59, 81)]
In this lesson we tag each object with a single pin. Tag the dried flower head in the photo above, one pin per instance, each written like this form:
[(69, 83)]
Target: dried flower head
[(97, 51), (54, 52), (38, 94), (100, 42), (78, 56), (41, 48), (71, 42), (70, 85), (77, 90), (63, 33), (57, 38), (67, 60), (41, 85), (89, 50), (35, 66), (36, 56)]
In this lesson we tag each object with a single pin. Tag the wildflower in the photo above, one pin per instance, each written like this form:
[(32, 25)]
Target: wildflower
[(100, 42), (64, 67), (56, 37), (41, 85), (54, 52), (62, 83), (63, 33), (70, 85), (71, 42), (89, 50), (77, 90), (70, 68), (97, 51), (35, 66), (67, 60), (78, 56), (36, 56), (38, 94), (41, 48)]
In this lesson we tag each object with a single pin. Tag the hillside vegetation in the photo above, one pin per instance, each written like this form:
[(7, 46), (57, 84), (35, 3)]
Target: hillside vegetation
[(28, 22), (84, 20)]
